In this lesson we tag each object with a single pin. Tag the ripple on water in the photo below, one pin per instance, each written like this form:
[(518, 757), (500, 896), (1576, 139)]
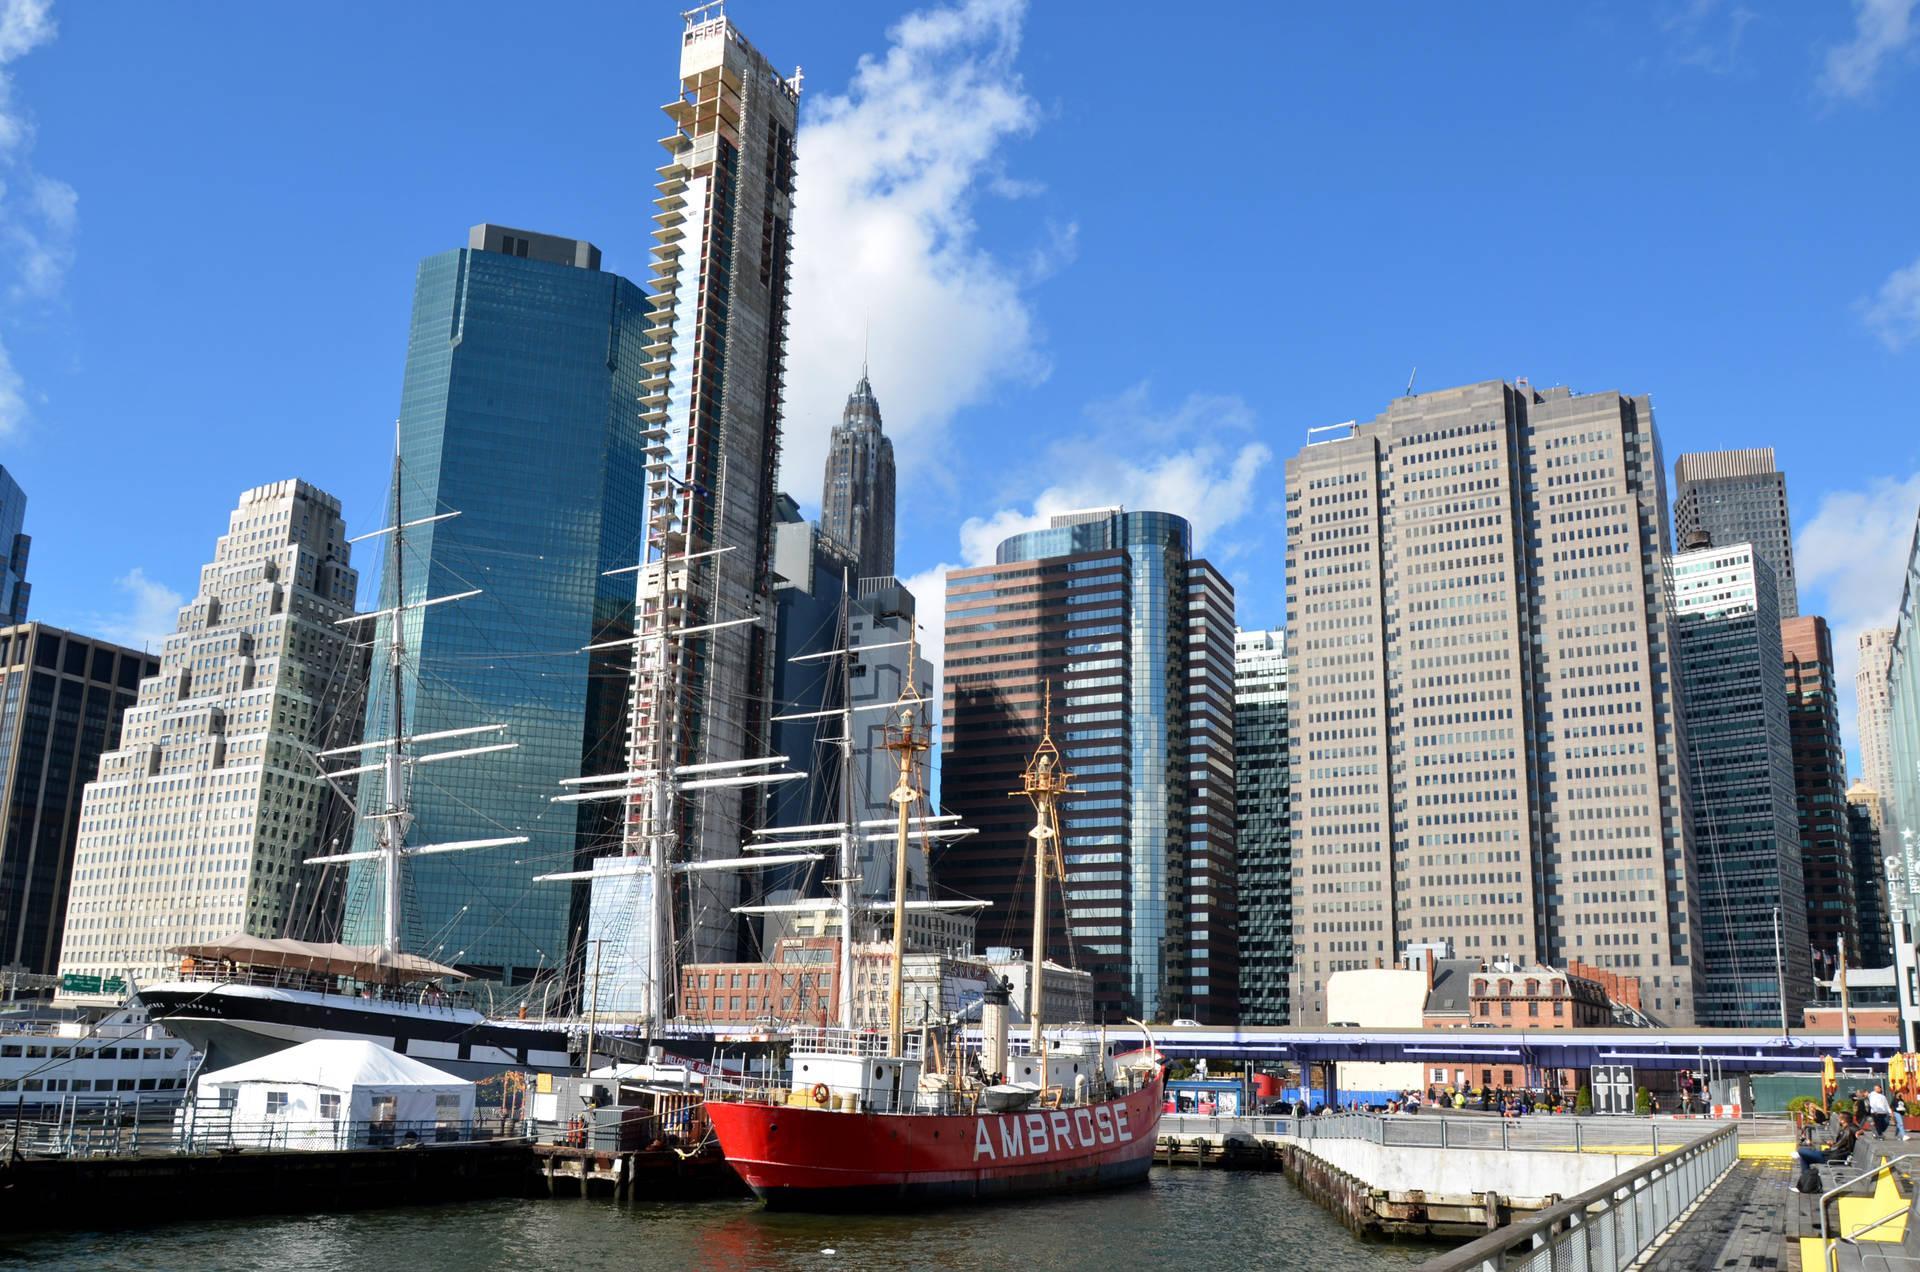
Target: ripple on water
[(1184, 1218)]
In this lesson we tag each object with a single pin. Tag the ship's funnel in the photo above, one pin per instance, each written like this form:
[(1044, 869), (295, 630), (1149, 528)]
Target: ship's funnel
[(994, 1007)]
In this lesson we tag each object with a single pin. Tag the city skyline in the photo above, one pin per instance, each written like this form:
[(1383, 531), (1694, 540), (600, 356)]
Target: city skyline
[(1013, 343)]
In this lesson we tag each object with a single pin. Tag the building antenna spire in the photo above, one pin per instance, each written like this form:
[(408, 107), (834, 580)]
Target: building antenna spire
[(866, 341)]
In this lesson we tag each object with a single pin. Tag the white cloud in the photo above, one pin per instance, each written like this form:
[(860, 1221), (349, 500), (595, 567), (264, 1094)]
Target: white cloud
[(150, 615), (1881, 29), (885, 246), (1851, 558), (1894, 311), (1197, 473), (37, 213), (1705, 34), (24, 26), (13, 403), (1201, 470)]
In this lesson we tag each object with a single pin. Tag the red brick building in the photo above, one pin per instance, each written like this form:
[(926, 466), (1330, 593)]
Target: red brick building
[(797, 987), (1537, 998)]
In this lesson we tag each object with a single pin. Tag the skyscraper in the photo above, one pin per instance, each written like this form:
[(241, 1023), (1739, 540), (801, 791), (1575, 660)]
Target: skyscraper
[(711, 400), (1873, 705), (517, 414), (1263, 876), (201, 819), (14, 588), (1833, 889), (1738, 496), (1481, 705), (856, 503), (1739, 766), (1900, 799), (1109, 612), (817, 579), (62, 697), (1869, 876)]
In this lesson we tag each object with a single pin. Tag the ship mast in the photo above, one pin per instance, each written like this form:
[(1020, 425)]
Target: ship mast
[(398, 816), (906, 739), (1045, 782)]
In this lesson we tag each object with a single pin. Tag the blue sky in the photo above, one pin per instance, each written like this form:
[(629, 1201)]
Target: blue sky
[(1106, 253)]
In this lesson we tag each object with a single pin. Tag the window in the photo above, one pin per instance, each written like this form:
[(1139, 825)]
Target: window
[(329, 1106), (276, 1104), (1559, 1009)]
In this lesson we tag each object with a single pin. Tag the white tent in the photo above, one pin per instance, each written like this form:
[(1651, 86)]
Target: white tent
[(332, 1093)]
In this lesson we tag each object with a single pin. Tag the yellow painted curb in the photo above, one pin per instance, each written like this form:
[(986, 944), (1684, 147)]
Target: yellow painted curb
[(1776, 1149)]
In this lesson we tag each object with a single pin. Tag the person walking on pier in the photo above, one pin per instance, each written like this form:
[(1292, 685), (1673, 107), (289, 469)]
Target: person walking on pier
[(1880, 1110)]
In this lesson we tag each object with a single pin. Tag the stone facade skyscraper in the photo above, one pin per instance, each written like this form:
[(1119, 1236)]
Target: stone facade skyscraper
[(1110, 612), (1482, 718), (711, 402), (856, 503), (1738, 496), (1873, 704), (200, 821)]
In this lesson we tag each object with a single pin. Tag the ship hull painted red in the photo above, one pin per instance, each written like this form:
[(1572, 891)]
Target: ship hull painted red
[(814, 1159)]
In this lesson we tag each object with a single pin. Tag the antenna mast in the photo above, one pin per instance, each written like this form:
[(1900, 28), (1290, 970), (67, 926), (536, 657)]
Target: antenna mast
[(906, 739), (1045, 782)]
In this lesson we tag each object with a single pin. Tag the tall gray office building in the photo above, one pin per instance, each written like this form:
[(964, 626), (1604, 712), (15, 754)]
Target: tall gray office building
[(1738, 496), (1482, 728), (1263, 859), (711, 399), (856, 503), (62, 696), (1740, 767), (517, 414)]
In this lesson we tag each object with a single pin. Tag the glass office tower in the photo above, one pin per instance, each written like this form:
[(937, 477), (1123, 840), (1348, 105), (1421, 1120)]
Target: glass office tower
[(519, 411), (1264, 851), (1109, 610), (1746, 832), (14, 588), (62, 696)]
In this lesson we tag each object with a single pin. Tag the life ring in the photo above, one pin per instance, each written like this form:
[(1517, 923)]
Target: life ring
[(820, 1094)]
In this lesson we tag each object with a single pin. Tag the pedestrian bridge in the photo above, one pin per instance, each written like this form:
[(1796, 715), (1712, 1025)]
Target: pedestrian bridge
[(1727, 1050)]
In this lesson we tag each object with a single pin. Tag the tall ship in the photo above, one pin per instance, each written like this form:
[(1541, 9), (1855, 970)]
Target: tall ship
[(244, 996), (866, 1122)]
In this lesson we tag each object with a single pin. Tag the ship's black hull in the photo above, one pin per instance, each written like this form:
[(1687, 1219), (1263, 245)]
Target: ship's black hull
[(232, 1024)]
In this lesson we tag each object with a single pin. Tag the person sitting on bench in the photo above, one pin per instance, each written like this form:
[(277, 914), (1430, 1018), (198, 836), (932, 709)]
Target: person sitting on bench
[(1838, 1149)]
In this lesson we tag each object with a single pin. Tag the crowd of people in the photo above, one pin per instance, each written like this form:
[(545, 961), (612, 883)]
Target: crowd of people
[(1873, 1112)]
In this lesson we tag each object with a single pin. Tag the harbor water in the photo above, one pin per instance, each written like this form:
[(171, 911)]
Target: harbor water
[(1181, 1219)]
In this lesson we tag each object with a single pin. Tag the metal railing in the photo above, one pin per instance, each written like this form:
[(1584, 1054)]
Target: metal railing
[(1604, 1229), (1830, 1245), (124, 1135), (413, 994), (1425, 1131)]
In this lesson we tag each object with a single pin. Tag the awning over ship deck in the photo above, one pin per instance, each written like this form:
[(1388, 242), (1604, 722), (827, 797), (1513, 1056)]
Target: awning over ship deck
[(361, 962)]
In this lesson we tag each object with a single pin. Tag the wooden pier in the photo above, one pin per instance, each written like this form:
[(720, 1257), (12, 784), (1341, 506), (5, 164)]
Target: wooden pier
[(648, 1174)]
